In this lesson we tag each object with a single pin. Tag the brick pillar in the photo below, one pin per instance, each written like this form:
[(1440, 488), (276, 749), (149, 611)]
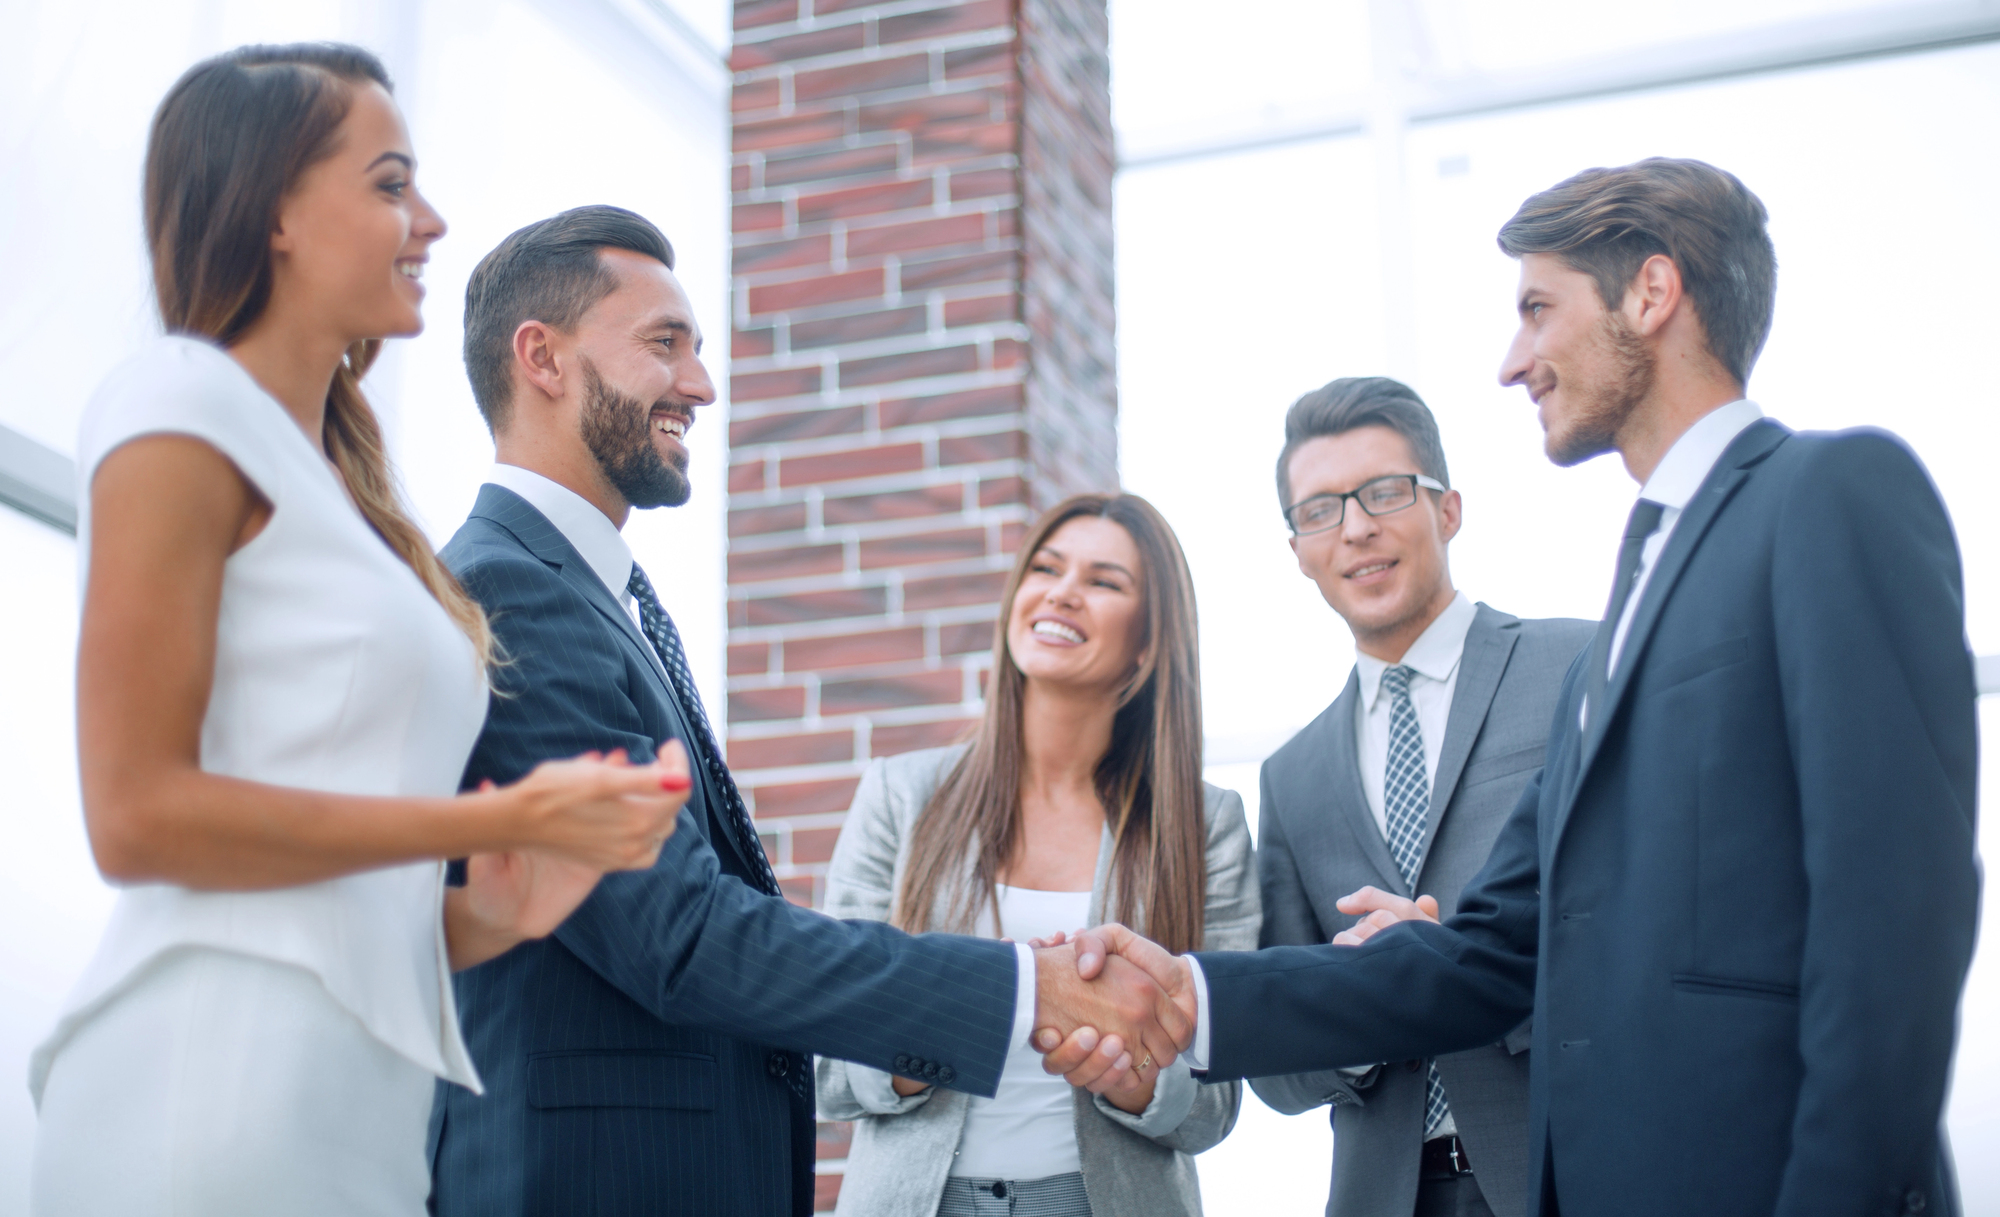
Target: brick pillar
[(922, 359)]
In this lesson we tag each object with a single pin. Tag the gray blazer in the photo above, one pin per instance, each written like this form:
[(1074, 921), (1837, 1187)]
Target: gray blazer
[(1317, 841), (1133, 1166)]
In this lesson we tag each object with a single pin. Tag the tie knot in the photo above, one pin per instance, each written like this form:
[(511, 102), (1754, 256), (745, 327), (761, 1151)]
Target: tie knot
[(1644, 520), (1396, 680)]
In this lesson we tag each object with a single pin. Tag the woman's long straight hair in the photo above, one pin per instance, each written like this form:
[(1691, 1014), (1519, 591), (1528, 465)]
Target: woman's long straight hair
[(1149, 780), (231, 138)]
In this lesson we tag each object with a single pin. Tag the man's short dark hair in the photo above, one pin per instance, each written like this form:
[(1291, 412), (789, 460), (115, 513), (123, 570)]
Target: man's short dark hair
[(1352, 402), (549, 272), (1607, 222)]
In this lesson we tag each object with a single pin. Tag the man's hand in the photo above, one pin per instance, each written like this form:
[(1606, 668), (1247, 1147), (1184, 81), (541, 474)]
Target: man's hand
[(1101, 1061), (1118, 1013), (510, 898), (1378, 911)]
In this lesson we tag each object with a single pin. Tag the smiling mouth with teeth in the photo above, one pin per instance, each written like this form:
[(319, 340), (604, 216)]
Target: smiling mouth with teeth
[(411, 270), (1056, 629), (675, 427), (1370, 569)]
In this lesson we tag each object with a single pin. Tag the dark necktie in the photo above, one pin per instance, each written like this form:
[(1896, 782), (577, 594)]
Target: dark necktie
[(702, 750), (1642, 523), (1406, 812)]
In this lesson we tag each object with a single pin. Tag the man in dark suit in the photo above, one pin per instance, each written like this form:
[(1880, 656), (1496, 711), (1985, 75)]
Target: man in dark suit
[(648, 1058), (1401, 786), (1739, 900)]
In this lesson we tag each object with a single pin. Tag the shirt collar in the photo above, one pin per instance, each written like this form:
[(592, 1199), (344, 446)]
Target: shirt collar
[(589, 531), (1686, 465), (1434, 654)]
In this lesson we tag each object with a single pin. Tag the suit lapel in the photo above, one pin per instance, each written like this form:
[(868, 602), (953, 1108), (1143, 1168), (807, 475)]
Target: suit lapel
[(544, 540), (1488, 646), (1730, 472)]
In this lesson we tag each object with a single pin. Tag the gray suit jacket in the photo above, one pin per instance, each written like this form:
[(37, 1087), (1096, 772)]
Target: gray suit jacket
[(1133, 1166), (1318, 841)]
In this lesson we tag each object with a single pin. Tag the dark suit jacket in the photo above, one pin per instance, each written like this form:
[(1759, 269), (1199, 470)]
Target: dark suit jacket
[(1741, 906), (1317, 841), (646, 1059)]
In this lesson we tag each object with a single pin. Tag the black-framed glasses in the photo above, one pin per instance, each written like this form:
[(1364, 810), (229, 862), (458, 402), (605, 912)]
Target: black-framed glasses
[(1379, 497)]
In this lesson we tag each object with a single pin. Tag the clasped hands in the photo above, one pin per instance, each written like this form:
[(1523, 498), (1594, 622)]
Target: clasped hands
[(1106, 995)]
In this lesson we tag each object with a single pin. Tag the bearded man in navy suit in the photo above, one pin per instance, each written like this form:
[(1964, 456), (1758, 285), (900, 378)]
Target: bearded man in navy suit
[(648, 1059), (1770, 741)]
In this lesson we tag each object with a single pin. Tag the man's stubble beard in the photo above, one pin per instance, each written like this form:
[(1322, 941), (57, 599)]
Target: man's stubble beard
[(1603, 410), (618, 429)]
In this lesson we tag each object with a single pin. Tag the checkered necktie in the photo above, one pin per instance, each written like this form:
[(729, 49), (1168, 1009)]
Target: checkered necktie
[(702, 750), (1406, 803)]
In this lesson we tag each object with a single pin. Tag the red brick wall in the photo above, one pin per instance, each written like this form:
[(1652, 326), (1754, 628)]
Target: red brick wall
[(922, 358)]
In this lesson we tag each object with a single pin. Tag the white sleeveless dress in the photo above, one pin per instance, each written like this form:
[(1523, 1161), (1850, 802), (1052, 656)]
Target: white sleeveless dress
[(272, 1052)]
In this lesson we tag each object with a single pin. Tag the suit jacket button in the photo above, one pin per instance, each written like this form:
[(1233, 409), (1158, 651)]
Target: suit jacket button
[(902, 1062), (1914, 1202), (776, 1064), (930, 1070), (946, 1074), (1416, 1065)]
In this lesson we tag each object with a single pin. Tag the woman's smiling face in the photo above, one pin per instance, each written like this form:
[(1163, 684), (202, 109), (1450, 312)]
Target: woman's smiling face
[(1079, 617), (354, 233)]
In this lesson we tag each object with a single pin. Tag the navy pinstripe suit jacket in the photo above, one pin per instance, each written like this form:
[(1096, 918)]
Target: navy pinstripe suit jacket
[(647, 1058)]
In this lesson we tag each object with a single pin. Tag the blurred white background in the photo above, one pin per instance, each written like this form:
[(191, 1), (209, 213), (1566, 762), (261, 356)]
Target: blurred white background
[(1246, 278)]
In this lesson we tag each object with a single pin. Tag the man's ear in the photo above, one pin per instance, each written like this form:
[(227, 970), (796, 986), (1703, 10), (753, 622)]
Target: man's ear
[(1451, 513), (537, 361), (1654, 295)]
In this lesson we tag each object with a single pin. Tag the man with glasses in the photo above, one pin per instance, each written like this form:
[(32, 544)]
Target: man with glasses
[(1396, 792)]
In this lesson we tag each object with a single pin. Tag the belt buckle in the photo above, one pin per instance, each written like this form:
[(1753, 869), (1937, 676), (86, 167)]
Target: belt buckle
[(1460, 1164)]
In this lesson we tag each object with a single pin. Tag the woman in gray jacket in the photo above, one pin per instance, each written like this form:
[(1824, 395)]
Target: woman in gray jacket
[(1078, 800)]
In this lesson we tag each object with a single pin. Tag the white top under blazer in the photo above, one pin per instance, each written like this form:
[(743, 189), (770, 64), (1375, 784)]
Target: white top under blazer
[(335, 670)]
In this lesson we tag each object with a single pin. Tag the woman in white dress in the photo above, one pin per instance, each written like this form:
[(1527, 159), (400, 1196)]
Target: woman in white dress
[(278, 688), (1079, 799)]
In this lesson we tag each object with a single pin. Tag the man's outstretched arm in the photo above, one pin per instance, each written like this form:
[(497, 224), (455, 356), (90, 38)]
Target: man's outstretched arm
[(697, 947), (1410, 991)]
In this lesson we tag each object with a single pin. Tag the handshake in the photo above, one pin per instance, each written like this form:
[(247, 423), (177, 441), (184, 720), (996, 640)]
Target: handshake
[(1112, 1009)]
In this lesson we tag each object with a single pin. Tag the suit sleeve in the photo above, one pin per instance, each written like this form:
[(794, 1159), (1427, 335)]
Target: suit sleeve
[(1289, 921), (1879, 705), (699, 948), (1415, 990)]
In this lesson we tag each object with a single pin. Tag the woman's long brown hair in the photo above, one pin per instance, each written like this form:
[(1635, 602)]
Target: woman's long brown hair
[(1149, 780), (231, 138)]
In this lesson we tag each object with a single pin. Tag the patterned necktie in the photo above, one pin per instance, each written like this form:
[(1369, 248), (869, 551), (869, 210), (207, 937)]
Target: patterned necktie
[(1642, 523), (702, 750), (1406, 805)]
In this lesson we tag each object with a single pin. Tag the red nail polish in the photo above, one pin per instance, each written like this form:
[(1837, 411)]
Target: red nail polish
[(676, 781)]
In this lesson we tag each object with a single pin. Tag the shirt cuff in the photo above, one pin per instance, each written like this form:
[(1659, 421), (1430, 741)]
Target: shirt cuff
[(1024, 997), (1197, 1054)]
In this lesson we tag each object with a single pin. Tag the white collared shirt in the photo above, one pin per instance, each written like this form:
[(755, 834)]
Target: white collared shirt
[(1675, 481), (1433, 663), (588, 530)]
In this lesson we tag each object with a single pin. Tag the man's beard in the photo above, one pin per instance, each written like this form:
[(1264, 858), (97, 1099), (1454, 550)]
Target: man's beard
[(1601, 411), (619, 430)]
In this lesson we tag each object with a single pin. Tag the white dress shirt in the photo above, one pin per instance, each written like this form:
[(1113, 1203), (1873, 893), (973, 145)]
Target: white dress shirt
[(1433, 663), (592, 534)]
